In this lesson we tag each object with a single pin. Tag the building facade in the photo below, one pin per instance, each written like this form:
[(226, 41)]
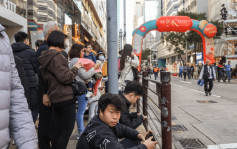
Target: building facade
[(13, 16), (226, 46)]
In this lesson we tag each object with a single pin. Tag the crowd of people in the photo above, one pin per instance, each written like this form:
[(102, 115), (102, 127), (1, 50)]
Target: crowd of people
[(223, 71), (47, 84)]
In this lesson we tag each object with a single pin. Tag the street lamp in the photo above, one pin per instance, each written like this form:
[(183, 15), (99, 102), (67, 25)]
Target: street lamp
[(120, 38)]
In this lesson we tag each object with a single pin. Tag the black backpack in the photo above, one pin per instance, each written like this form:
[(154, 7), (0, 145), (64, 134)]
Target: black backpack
[(135, 73)]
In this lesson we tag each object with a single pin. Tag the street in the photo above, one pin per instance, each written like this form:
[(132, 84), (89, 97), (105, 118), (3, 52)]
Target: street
[(207, 123)]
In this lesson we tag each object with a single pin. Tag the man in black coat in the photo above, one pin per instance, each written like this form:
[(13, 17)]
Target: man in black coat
[(131, 94), (103, 131), (22, 49), (22, 76)]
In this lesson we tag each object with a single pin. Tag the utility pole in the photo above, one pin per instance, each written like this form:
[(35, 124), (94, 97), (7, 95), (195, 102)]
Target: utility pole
[(112, 46), (124, 17), (186, 57)]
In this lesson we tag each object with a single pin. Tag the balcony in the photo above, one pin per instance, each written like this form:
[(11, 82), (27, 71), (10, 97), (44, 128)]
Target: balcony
[(18, 7)]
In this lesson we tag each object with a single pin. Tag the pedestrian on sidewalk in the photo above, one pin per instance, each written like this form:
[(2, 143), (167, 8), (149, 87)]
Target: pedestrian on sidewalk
[(185, 71), (189, 71), (88, 53), (208, 74), (180, 71), (195, 73), (149, 71), (228, 71), (192, 70), (58, 77), (127, 61), (76, 53), (156, 71), (22, 49), (16, 118), (235, 72), (45, 109), (104, 131)]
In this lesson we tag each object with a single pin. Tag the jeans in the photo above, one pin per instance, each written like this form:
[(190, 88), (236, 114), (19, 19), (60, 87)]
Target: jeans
[(185, 73), (206, 82), (180, 74), (228, 74), (34, 107), (189, 75), (62, 124), (156, 75), (82, 103)]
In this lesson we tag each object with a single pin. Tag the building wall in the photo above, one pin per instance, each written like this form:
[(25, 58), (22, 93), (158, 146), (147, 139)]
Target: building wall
[(12, 21), (215, 7)]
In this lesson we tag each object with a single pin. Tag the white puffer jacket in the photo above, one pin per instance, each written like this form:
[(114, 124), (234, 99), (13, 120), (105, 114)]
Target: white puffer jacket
[(127, 73), (15, 117)]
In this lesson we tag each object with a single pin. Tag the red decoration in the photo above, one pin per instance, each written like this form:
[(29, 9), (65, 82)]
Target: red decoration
[(210, 30), (143, 29), (174, 23)]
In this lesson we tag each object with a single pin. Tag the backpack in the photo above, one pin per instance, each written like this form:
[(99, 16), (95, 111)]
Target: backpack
[(135, 73), (105, 69)]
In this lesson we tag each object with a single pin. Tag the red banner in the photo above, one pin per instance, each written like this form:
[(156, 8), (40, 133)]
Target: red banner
[(174, 23)]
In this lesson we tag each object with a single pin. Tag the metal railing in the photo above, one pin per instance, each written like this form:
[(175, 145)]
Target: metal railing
[(158, 107)]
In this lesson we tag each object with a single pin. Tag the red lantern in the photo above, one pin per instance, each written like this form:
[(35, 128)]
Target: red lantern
[(210, 30)]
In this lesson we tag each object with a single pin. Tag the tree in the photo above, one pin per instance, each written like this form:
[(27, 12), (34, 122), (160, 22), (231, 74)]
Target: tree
[(176, 42), (145, 54)]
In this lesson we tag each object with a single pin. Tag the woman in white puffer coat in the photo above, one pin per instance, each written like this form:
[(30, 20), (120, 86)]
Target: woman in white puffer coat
[(127, 61), (15, 116)]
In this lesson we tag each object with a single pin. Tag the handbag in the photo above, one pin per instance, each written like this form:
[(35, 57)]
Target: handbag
[(78, 88)]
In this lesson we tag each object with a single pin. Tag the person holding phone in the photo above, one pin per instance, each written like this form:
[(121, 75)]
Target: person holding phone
[(104, 131)]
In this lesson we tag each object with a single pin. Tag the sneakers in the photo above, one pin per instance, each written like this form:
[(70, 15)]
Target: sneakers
[(206, 93), (88, 95), (78, 137), (209, 93)]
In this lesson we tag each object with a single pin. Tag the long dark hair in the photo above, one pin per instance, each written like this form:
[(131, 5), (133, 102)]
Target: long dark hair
[(127, 51), (75, 51)]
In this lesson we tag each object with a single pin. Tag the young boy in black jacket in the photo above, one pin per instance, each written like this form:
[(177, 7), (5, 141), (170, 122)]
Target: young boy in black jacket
[(103, 131)]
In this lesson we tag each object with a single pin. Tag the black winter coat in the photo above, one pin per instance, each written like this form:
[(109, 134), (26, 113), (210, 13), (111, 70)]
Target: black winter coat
[(99, 135), (131, 120), (42, 89), (27, 56), (23, 78)]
